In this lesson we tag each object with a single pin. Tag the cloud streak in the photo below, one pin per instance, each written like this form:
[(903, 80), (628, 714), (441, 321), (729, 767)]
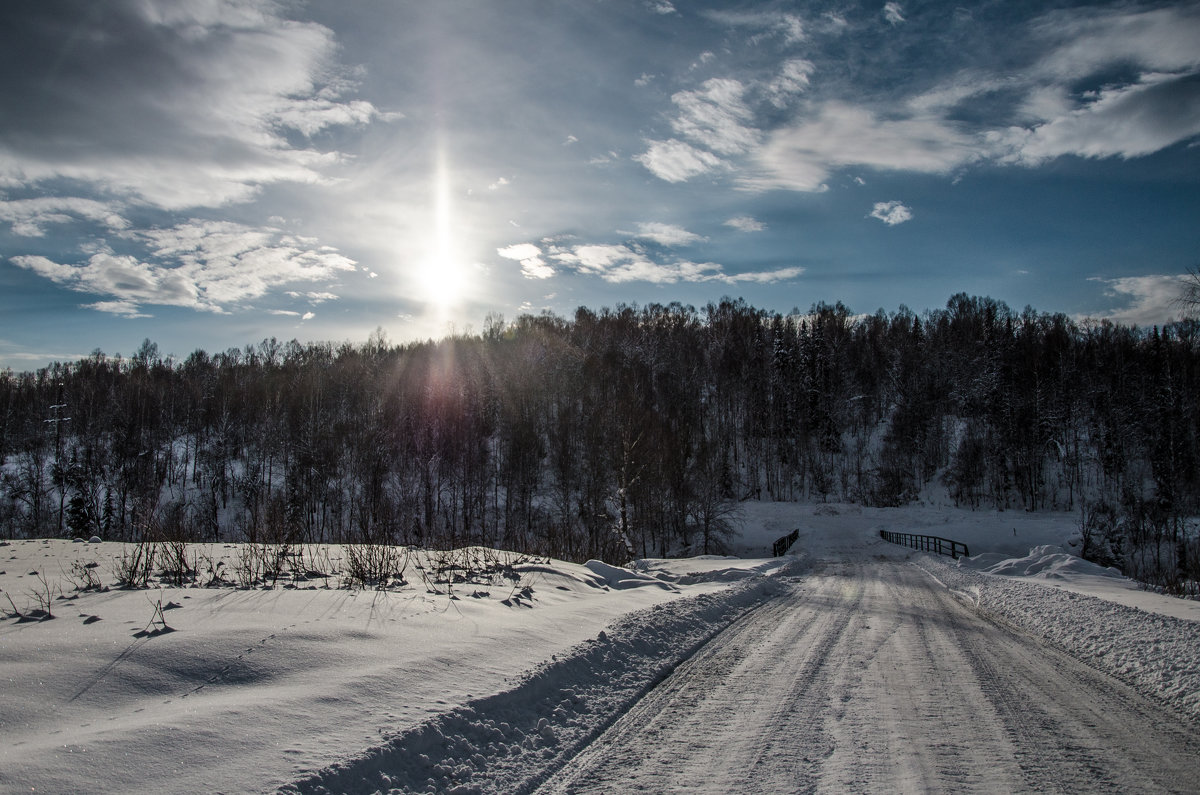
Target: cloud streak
[(724, 124), (667, 234), (177, 105), (622, 263), (803, 156), (744, 223), (203, 265), (31, 217)]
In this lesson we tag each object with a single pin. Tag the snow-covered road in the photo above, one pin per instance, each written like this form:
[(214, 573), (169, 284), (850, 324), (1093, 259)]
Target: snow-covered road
[(870, 675), (849, 665)]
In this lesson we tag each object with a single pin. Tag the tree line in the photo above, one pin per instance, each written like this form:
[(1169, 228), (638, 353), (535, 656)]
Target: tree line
[(622, 432)]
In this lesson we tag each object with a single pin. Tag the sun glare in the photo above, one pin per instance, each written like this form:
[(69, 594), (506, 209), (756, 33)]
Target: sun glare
[(441, 276)]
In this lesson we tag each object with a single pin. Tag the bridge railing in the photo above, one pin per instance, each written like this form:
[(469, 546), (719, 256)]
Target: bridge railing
[(785, 543), (935, 544)]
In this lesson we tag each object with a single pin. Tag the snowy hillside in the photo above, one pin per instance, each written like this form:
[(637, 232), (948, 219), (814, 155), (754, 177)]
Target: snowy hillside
[(490, 683)]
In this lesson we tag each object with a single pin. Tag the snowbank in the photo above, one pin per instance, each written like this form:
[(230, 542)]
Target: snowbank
[(227, 689), (1047, 562), (619, 578), (1154, 653), (508, 742)]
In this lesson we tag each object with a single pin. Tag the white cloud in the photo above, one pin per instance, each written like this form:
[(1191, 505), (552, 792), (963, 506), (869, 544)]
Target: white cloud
[(1089, 40), (793, 79), (177, 105), (1148, 300), (536, 268), (530, 257), (498, 184), (283, 312), (801, 157), (667, 234), (676, 161), (745, 223), (1157, 106), (125, 277), (307, 316), (787, 26), (715, 117), (891, 213), (763, 277), (620, 264), (311, 116), (1127, 121), (519, 251), (604, 159), (205, 265), (314, 297), (126, 309), (30, 217), (661, 7)]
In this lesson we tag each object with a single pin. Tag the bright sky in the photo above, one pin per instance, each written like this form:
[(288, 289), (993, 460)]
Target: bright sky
[(209, 173)]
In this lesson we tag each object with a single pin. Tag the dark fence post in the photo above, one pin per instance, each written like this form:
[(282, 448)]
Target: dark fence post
[(783, 544)]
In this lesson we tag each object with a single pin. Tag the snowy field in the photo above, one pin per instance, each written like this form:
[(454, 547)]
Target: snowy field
[(482, 685)]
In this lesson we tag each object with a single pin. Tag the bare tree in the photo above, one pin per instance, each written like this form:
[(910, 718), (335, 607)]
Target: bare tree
[(1189, 293)]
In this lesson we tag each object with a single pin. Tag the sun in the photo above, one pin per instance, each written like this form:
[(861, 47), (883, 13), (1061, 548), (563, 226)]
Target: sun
[(441, 281)]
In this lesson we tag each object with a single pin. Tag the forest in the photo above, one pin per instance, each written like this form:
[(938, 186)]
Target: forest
[(633, 431)]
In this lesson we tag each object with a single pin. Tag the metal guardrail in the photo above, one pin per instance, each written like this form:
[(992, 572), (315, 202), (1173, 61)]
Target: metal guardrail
[(941, 546), (784, 544)]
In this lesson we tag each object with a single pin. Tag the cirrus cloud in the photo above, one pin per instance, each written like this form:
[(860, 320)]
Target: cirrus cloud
[(1143, 66), (176, 105), (744, 223), (620, 263), (801, 157), (203, 265), (667, 234), (676, 161), (30, 217)]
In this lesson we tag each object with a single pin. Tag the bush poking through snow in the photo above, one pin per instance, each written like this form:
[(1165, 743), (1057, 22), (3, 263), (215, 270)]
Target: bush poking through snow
[(375, 566), (13, 611), (178, 566), (44, 599), (157, 625), (83, 577), (473, 566), (261, 564), (134, 567)]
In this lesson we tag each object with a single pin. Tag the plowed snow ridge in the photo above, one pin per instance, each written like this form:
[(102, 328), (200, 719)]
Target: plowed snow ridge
[(508, 742), (866, 674)]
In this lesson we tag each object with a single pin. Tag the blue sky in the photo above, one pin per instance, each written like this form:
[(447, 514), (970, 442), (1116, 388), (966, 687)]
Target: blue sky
[(210, 173)]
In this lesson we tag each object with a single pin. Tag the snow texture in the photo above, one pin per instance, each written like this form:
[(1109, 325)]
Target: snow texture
[(483, 686)]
